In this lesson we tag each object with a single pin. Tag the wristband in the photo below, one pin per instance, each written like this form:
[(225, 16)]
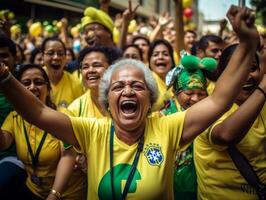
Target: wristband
[(55, 193), (7, 78), (261, 90)]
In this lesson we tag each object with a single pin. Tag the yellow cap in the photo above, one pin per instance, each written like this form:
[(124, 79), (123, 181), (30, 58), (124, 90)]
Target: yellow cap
[(93, 15)]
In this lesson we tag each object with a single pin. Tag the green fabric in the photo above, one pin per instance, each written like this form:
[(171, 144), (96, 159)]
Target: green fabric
[(190, 80), (185, 178), (67, 146), (5, 109)]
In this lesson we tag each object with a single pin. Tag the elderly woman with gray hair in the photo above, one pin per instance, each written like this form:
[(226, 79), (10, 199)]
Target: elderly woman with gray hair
[(128, 150)]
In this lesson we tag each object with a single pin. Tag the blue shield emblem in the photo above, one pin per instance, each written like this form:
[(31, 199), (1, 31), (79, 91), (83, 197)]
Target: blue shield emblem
[(154, 155)]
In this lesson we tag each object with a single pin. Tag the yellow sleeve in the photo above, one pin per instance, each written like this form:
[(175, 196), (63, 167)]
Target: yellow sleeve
[(208, 132), (74, 108), (174, 123), (88, 130), (8, 124)]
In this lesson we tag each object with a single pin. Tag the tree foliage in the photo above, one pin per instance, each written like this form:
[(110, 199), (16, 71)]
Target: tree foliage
[(260, 6)]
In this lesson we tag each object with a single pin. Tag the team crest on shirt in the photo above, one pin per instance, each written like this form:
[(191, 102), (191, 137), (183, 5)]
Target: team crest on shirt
[(154, 154)]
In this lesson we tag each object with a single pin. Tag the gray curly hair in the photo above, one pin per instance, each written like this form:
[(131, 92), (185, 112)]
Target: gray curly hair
[(127, 63)]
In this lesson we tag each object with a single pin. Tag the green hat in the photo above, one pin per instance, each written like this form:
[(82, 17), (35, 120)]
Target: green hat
[(93, 15), (191, 76)]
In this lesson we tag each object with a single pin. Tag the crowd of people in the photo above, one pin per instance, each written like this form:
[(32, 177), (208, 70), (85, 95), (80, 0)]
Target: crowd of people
[(148, 115)]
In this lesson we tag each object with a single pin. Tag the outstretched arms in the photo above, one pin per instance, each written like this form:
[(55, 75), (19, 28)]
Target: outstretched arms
[(232, 130), (204, 113), (33, 110)]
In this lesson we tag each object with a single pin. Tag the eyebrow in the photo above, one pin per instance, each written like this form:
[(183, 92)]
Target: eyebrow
[(132, 82)]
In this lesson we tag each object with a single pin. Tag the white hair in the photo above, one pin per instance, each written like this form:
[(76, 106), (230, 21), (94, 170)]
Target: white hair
[(127, 63)]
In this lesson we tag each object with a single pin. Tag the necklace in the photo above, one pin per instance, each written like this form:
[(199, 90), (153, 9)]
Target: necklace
[(34, 158), (133, 166)]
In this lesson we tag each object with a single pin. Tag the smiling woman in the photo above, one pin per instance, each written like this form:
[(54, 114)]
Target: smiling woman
[(40, 167), (65, 87), (161, 61), (134, 147)]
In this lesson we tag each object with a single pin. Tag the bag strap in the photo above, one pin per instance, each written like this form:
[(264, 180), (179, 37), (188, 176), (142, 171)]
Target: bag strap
[(244, 168)]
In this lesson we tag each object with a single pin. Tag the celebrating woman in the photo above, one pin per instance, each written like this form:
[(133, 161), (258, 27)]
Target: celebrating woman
[(40, 152), (131, 155)]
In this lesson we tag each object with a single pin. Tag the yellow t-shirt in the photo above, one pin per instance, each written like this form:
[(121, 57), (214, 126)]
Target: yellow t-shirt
[(163, 93), (49, 156), (83, 106), (154, 174), (217, 176), (78, 76), (210, 87), (68, 89), (176, 57)]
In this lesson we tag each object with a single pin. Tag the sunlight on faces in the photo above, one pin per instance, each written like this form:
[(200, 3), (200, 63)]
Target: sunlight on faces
[(95, 33), (129, 98), (214, 50), (33, 80), (189, 40), (93, 66), (144, 46), (187, 98), (132, 53), (54, 56), (160, 61)]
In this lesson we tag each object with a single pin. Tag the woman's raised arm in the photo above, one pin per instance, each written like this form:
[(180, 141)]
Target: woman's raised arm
[(33, 110), (207, 111)]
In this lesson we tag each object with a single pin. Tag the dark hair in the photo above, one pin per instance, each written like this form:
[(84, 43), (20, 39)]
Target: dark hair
[(34, 53), (108, 52), (7, 42), (46, 40), (203, 43), (22, 68), (194, 48), (226, 56), (190, 31), (136, 47), (168, 46), (21, 53), (142, 38), (71, 52)]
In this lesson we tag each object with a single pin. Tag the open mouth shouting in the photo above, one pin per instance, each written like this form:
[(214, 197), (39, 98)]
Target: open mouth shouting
[(92, 80), (129, 106), (56, 66), (161, 65), (249, 86)]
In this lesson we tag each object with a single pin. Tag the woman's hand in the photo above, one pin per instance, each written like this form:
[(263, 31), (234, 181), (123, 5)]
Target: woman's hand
[(164, 19), (242, 20), (129, 13)]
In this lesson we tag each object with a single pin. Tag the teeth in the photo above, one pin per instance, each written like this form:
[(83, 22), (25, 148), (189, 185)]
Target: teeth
[(129, 102), (161, 64), (248, 85), (92, 78)]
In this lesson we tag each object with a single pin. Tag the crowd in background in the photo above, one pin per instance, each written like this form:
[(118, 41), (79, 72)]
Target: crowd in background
[(69, 68)]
